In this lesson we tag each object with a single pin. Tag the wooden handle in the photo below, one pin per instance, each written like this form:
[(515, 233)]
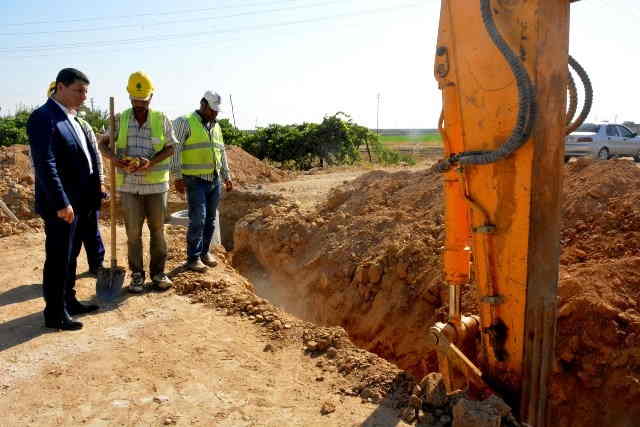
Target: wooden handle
[(112, 205)]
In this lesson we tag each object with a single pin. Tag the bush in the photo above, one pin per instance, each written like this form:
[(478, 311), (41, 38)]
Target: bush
[(336, 140), (388, 156), (13, 129)]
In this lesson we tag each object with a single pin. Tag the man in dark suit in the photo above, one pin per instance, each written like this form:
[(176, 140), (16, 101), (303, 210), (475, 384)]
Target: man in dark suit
[(67, 190)]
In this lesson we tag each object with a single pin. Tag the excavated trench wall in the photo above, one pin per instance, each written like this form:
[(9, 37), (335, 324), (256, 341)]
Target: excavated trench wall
[(369, 260)]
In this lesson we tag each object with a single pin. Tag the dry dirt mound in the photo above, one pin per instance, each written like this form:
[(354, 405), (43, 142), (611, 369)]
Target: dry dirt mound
[(598, 342), (16, 190), (369, 260), (246, 169)]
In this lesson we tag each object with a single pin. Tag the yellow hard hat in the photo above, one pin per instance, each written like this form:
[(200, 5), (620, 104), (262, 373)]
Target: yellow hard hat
[(140, 86), (51, 89)]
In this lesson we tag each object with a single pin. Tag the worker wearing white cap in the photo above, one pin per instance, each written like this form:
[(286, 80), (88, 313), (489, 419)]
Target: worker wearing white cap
[(199, 164)]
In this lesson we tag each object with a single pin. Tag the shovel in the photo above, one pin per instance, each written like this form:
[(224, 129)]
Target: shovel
[(110, 280)]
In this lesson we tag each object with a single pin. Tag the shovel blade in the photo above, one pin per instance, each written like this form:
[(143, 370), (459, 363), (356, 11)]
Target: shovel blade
[(109, 284)]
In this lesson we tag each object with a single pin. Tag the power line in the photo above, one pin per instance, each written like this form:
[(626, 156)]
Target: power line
[(130, 16), (201, 33), (155, 24)]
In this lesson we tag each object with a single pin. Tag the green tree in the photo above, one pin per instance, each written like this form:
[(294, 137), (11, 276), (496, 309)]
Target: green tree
[(13, 129), (98, 119)]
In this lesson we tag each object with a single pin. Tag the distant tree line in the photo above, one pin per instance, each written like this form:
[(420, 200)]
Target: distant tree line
[(13, 129), (337, 140)]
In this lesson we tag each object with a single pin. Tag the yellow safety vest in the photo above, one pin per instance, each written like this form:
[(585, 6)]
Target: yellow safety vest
[(202, 151), (157, 174)]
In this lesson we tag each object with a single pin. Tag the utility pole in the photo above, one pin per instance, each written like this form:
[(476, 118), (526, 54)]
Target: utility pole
[(233, 114), (378, 116), (92, 109)]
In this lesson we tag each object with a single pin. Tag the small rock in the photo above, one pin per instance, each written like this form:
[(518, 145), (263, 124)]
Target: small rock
[(120, 403), (435, 393), (312, 346), (417, 390), (269, 347), (332, 353), (169, 421), (287, 326), (468, 413), (277, 325), (323, 344), (408, 415), (426, 418), (320, 379), (500, 405), (415, 401), (327, 408), (161, 399)]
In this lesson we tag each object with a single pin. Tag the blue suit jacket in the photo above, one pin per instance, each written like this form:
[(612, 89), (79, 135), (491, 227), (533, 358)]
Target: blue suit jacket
[(61, 171)]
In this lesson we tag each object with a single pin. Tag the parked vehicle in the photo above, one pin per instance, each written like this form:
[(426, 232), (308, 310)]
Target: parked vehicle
[(602, 141)]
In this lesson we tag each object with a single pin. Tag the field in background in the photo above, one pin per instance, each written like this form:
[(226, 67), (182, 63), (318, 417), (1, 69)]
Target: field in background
[(429, 138), (419, 146)]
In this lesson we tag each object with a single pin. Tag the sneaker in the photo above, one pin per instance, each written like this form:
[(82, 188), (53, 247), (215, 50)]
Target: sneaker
[(136, 286), (209, 260), (196, 265), (162, 281)]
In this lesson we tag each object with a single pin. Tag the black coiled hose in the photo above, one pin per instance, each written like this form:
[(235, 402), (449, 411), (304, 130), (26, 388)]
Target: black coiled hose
[(526, 100), (588, 95)]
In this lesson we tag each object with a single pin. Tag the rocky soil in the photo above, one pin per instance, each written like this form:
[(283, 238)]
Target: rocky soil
[(368, 260)]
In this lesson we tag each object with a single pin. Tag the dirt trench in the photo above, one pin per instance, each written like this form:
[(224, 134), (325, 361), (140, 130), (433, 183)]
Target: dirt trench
[(368, 258)]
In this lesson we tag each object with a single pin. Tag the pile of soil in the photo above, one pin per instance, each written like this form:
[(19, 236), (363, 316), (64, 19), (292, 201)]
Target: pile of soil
[(597, 375), (246, 169), (369, 260), (17, 191)]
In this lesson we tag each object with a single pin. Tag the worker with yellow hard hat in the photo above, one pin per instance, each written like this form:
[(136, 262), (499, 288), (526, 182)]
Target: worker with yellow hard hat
[(144, 145)]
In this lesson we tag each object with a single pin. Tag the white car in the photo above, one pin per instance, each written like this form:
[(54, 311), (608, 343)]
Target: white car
[(602, 141)]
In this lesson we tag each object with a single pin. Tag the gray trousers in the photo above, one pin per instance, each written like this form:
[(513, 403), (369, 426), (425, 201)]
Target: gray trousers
[(136, 208)]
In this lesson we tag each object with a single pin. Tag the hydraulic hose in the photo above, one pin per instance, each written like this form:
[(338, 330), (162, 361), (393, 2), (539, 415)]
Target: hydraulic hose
[(573, 99), (588, 95), (526, 100)]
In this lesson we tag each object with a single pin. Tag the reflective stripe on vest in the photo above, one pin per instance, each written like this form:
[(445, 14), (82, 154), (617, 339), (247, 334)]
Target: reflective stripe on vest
[(202, 151), (157, 174)]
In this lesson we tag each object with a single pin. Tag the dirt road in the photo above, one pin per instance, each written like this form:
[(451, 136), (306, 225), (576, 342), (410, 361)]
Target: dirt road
[(156, 359)]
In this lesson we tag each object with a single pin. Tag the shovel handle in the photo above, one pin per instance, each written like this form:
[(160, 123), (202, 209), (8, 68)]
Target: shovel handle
[(112, 176)]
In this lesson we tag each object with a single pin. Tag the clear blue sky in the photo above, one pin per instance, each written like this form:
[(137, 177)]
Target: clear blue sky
[(283, 61)]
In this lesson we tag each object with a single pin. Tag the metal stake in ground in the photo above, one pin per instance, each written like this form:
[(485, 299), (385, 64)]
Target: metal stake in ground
[(110, 280)]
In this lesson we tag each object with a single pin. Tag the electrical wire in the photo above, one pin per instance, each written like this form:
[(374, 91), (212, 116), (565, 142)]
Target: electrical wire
[(175, 36), (155, 24), (141, 15)]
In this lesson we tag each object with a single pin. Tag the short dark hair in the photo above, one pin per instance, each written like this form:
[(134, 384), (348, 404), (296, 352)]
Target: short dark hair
[(68, 76), (205, 101)]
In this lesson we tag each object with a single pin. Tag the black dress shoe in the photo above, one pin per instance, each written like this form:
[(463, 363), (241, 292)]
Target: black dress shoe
[(65, 323), (75, 308)]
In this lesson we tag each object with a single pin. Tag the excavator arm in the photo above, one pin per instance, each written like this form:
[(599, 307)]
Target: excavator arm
[(502, 67)]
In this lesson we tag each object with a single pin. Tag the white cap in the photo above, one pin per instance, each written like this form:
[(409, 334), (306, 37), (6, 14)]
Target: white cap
[(214, 100)]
